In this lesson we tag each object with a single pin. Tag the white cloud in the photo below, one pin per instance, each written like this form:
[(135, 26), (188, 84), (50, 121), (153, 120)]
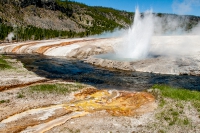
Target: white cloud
[(184, 6)]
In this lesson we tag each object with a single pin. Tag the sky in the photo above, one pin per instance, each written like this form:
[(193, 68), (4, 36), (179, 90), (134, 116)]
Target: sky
[(181, 7)]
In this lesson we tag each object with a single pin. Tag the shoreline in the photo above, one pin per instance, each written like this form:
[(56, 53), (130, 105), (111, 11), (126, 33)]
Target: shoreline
[(50, 108)]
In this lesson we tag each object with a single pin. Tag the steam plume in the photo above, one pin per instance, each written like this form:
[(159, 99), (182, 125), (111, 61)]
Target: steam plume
[(10, 37), (185, 6), (135, 44)]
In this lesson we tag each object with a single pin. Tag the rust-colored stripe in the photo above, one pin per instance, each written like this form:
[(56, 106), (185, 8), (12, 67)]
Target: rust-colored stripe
[(43, 49), (9, 87), (20, 46), (18, 128)]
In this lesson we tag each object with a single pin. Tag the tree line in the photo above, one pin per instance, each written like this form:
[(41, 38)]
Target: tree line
[(100, 23), (34, 33)]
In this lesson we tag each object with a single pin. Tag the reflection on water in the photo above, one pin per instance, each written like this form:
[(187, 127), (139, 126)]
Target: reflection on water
[(75, 70), (115, 57)]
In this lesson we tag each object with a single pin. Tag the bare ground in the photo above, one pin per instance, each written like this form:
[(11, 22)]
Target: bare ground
[(43, 108)]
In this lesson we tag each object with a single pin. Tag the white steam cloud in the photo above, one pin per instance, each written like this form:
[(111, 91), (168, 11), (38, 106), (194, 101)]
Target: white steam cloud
[(109, 34), (10, 36), (135, 44), (195, 30), (152, 34), (170, 25), (184, 6)]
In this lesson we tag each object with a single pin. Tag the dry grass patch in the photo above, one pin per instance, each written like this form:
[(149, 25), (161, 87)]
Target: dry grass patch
[(58, 88)]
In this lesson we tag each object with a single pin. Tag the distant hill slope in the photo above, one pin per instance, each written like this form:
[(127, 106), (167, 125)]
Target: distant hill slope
[(62, 16), (44, 19)]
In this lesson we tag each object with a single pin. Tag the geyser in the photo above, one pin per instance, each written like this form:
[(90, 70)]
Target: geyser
[(135, 44)]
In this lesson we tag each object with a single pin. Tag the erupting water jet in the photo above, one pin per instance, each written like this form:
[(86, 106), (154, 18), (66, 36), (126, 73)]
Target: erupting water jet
[(135, 44)]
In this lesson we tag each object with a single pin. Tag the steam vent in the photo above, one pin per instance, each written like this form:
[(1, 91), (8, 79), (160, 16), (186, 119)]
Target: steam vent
[(90, 100)]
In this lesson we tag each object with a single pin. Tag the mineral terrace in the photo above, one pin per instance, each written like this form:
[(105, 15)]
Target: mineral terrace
[(85, 108), (168, 54)]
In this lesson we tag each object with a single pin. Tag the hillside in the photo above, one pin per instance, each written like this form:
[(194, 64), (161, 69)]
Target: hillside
[(67, 18), (44, 19)]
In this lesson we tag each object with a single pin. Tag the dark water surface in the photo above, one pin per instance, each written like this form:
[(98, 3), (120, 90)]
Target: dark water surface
[(75, 70)]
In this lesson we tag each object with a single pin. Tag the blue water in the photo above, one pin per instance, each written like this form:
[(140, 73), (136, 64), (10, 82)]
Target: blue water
[(78, 71)]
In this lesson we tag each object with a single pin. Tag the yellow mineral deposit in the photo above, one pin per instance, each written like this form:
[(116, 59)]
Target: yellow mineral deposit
[(117, 103)]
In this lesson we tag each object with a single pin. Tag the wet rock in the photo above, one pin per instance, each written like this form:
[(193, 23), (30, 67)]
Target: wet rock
[(122, 65), (162, 65)]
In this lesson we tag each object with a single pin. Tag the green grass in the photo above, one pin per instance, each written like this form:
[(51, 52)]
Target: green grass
[(20, 95), (4, 64), (178, 93), (56, 88), (4, 101), (172, 104), (196, 104), (173, 116)]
